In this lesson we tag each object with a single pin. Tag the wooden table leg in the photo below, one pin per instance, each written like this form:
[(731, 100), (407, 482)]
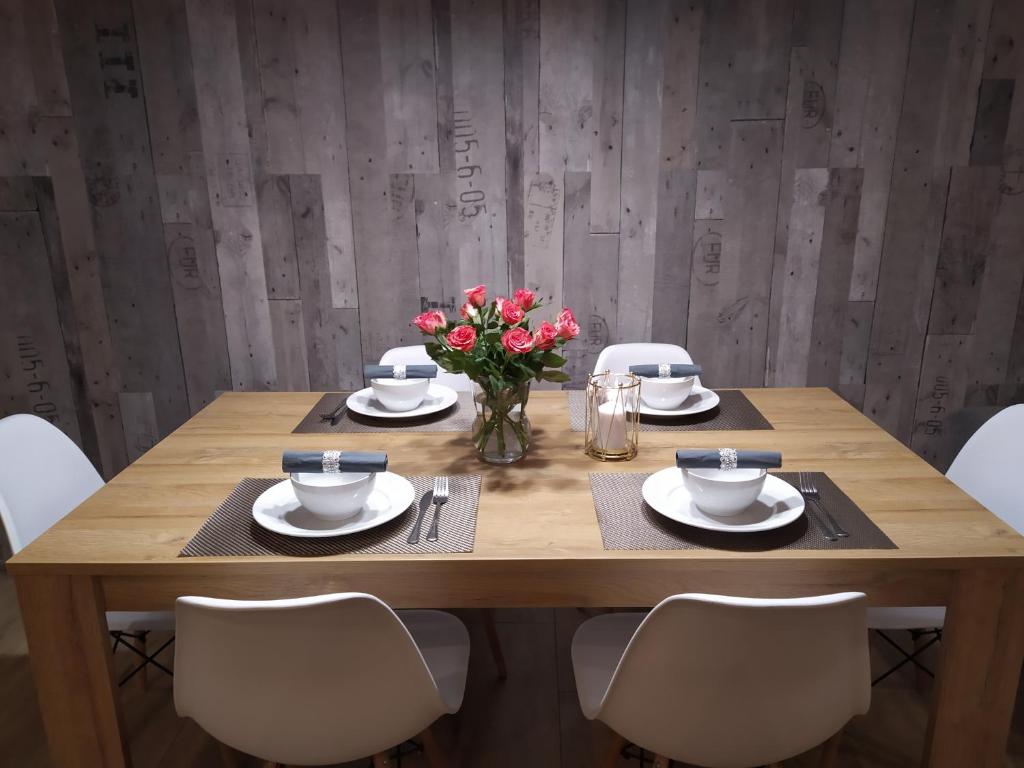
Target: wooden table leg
[(982, 647), (68, 645)]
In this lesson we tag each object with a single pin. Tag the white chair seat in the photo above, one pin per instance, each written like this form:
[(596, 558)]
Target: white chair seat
[(140, 621), (596, 649), (920, 617), (444, 642)]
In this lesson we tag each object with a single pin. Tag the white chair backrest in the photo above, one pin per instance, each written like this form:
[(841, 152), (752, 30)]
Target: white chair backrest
[(988, 466), (417, 355), (618, 357), (728, 681), (43, 476), (305, 681)]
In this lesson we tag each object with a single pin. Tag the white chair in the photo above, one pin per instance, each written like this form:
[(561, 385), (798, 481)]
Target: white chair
[(417, 355), (43, 476), (618, 357), (317, 680), (726, 682), (986, 469)]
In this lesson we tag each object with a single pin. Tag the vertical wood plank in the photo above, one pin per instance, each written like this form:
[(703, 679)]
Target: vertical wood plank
[(522, 71), (444, 83), (543, 240), (744, 61), (973, 198), (188, 235), (672, 253), (940, 394), (99, 368), (138, 414), (224, 128), (437, 258), (271, 21), (606, 147), (591, 280), (728, 324), (853, 363), (382, 204), (808, 128), (833, 327), (800, 284), (319, 94), (273, 198), (333, 354), (47, 58), (286, 317), (641, 141), (479, 141), (34, 375), (995, 98), (113, 140), (909, 256), (710, 195), (566, 84), (17, 194), (869, 95), (407, 69), (679, 97)]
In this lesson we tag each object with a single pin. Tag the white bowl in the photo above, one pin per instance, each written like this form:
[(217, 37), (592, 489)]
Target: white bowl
[(724, 492), (400, 394), (665, 394), (333, 496)]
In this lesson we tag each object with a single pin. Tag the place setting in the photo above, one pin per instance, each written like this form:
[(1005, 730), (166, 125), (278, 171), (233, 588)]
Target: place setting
[(671, 398), (728, 499), (341, 502), (398, 397)]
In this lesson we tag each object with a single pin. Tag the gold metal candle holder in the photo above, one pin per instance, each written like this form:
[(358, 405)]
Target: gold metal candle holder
[(613, 416)]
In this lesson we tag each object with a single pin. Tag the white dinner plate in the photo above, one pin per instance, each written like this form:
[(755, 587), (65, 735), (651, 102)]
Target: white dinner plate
[(700, 400), (779, 504), (279, 511), (438, 398)]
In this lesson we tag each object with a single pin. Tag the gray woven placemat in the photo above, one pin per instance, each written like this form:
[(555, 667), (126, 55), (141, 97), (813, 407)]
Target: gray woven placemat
[(628, 522), (458, 418), (734, 412), (232, 531)]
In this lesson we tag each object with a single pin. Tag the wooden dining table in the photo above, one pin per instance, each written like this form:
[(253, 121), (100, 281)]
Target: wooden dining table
[(537, 544)]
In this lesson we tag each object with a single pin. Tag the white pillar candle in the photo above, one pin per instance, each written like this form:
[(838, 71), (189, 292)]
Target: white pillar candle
[(611, 426)]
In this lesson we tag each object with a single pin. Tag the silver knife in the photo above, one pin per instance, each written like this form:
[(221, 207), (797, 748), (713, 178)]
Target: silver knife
[(425, 502)]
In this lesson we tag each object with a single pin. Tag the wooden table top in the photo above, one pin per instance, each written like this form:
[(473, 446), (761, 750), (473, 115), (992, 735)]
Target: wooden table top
[(540, 509)]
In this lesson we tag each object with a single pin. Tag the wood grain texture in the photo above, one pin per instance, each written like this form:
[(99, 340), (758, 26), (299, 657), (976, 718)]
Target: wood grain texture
[(437, 135)]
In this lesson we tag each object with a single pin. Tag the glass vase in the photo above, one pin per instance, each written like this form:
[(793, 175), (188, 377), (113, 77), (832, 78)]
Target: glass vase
[(501, 430)]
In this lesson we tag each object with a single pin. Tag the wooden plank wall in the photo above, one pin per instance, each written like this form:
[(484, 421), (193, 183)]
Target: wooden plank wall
[(258, 194)]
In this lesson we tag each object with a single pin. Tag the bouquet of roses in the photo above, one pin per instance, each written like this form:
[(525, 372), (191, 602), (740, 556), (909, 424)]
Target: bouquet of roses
[(494, 346)]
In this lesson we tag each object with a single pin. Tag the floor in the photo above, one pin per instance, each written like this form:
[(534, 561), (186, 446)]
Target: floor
[(531, 720)]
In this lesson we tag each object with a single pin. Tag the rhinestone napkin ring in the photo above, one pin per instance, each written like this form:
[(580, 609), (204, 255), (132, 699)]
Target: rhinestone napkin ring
[(399, 372), (664, 371), (332, 461), (727, 458)]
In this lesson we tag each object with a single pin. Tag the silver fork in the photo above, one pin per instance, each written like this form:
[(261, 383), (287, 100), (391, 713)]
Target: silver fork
[(810, 489), (440, 497)]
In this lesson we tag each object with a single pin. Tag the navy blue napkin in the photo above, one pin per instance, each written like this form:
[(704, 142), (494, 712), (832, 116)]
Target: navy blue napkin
[(678, 370), (411, 371), (705, 459), (334, 461)]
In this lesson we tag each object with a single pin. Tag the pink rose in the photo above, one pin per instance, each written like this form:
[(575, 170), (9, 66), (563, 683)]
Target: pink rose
[(431, 322), (566, 325), (477, 296), (462, 338), (511, 312), (468, 311), (524, 297), (545, 336), (517, 341)]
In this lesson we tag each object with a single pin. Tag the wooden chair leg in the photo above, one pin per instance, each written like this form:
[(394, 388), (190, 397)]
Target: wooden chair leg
[(433, 753), (614, 750), (830, 752), (381, 760), (144, 672), (495, 643)]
